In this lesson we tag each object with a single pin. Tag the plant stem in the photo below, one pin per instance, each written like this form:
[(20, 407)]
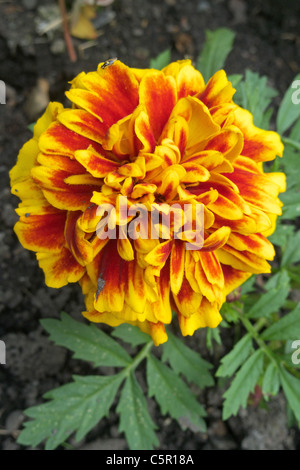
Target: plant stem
[(68, 40), (140, 356)]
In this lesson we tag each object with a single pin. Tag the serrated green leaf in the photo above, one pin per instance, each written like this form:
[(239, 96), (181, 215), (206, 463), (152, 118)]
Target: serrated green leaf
[(243, 384), (291, 254), (161, 61), (187, 362), (173, 396), (271, 382), (79, 405), (130, 334), (254, 94), (278, 288), (233, 360), (288, 111), (288, 327), (87, 341), (217, 46), (291, 388), (135, 420)]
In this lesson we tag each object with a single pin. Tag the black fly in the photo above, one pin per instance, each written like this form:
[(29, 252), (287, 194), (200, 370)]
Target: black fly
[(109, 62)]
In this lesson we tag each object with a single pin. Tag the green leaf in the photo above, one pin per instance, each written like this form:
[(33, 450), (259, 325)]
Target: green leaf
[(295, 132), (130, 334), (291, 204), (271, 382), (87, 341), (187, 362), (288, 111), (173, 396), (235, 79), (31, 126), (237, 356), (135, 420), (212, 334), (217, 46), (254, 94), (161, 61), (244, 382), (79, 405), (291, 388), (288, 327), (278, 288), (291, 254), (281, 234)]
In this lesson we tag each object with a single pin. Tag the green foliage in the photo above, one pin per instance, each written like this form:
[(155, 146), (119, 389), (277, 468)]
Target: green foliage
[(130, 334), (232, 361), (242, 384), (87, 341), (288, 327), (288, 111), (187, 362), (81, 404), (278, 288), (254, 94), (215, 51), (135, 420), (173, 396), (161, 61), (76, 406)]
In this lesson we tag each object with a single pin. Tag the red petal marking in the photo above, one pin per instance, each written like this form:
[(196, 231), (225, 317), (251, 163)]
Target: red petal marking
[(84, 123), (143, 136), (159, 254), (216, 239), (217, 91), (60, 268), (233, 278), (212, 268), (112, 93), (61, 162), (158, 95), (61, 194), (256, 243), (229, 142), (187, 301), (111, 271), (59, 140), (42, 232), (177, 265), (259, 145), (257, 189), (75, 238), (96, 164)]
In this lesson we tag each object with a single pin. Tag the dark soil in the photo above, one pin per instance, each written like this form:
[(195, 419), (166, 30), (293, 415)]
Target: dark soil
[(34, 66)]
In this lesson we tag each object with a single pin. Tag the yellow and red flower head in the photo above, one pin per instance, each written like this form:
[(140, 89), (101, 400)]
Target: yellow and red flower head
[(158, 138)]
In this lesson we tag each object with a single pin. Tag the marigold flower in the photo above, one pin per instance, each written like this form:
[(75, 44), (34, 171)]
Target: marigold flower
[(157, 138)]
